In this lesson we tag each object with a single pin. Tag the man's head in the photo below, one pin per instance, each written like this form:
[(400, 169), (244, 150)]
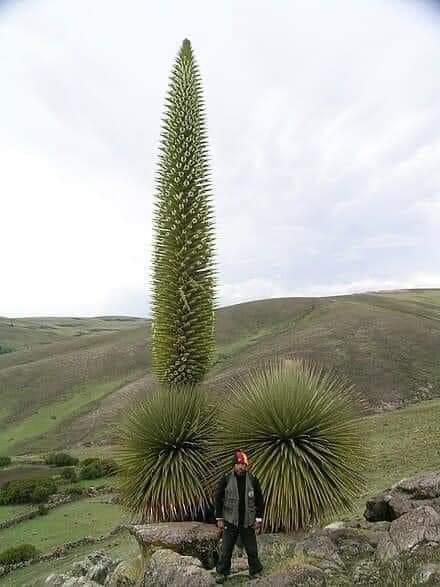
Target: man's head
[(240, 462)]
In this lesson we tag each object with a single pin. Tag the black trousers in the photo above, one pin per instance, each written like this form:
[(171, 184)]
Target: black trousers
[(249, 539)]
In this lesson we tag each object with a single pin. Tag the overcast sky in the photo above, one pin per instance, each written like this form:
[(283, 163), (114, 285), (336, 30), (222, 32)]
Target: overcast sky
[(324, 131)]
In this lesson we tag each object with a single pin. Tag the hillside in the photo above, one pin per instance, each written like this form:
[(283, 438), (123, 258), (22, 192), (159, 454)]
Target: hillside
[(65, 389)]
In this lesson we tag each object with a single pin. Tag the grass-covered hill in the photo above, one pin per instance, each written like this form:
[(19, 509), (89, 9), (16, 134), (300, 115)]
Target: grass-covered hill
[(66, 379)]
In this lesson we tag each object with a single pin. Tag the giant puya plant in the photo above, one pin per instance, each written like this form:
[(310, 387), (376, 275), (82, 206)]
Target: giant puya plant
[(164, 439), (300, 426)]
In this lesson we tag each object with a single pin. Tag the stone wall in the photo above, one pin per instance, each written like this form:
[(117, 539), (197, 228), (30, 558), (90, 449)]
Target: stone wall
[(62, 550), (56, 500)]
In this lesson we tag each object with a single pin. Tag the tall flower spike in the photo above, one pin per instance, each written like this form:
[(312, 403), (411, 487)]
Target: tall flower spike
[(183, 281)]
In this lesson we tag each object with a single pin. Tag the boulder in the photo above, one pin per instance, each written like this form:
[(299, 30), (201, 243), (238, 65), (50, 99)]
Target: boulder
[(296, 575), (79, 582), (125, 574), (423, 486), (404, 496), (366, 573), (166, 567), (186, 538), (95, 567), (55, 580), (418, 527), (319, 546)]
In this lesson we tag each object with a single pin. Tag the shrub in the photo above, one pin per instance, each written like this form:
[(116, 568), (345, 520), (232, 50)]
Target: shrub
[(5, 349), (69, 474), (18, 554), (61, 459), (98, 468), (163, 445), (89, 460), (74, 490), (27, 490), (91, 471), (4, 461), (43, 509), (300, 428)]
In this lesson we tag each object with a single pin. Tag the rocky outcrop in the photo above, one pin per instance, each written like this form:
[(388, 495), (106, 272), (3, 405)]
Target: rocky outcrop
[(186, 538), (402, 549), (320, 546), (419, 527), (404, 496), (165, 567), (90, 572), (125, 574)]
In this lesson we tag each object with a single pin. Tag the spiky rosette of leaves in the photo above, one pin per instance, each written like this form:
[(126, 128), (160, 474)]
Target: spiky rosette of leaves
[(162, 448), (183, 294), (299, 426)]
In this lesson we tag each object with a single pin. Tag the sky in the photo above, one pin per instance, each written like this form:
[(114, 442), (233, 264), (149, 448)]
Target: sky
[(323, 121)]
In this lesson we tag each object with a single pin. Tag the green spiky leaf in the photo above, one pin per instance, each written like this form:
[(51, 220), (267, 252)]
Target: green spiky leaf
[(183, 240), (162, 448), (299, 426)]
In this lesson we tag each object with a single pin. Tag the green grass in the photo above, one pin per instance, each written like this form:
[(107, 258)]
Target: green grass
[(402, 443), (26, 333), (48, 417), (11, 511), (122, 546), (85, 517)]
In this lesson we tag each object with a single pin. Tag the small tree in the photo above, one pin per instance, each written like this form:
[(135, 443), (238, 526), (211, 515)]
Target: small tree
[(183, 267)]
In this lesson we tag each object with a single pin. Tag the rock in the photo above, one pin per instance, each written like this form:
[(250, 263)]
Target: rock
[(377, 509), (2, 570), (95, 567), (365, 573), (321, 547), (187, 538), (335, 526), (79, 581), (79, 569), (56, 580), (423, 486), (269, 540), (125, 574), (404, 496), (418, 527), (352, 542), (296, 575), (99, 572), (166, 567), (428, 574)]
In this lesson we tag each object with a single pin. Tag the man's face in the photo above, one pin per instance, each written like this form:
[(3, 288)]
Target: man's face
[(240, 468)]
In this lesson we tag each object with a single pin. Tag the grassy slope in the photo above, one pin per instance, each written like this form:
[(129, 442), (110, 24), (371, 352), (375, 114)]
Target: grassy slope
[(62, 393), (24, 333)]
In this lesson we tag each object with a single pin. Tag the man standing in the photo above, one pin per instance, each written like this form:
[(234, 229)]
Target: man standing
[(239, 511)]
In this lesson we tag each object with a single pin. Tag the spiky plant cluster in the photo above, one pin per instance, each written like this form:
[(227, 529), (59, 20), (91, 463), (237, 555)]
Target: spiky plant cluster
[(163, 452), (183, 266), (299, 426)]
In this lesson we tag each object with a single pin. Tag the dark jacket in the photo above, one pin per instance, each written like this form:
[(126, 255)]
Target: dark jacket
[(241, 482)]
